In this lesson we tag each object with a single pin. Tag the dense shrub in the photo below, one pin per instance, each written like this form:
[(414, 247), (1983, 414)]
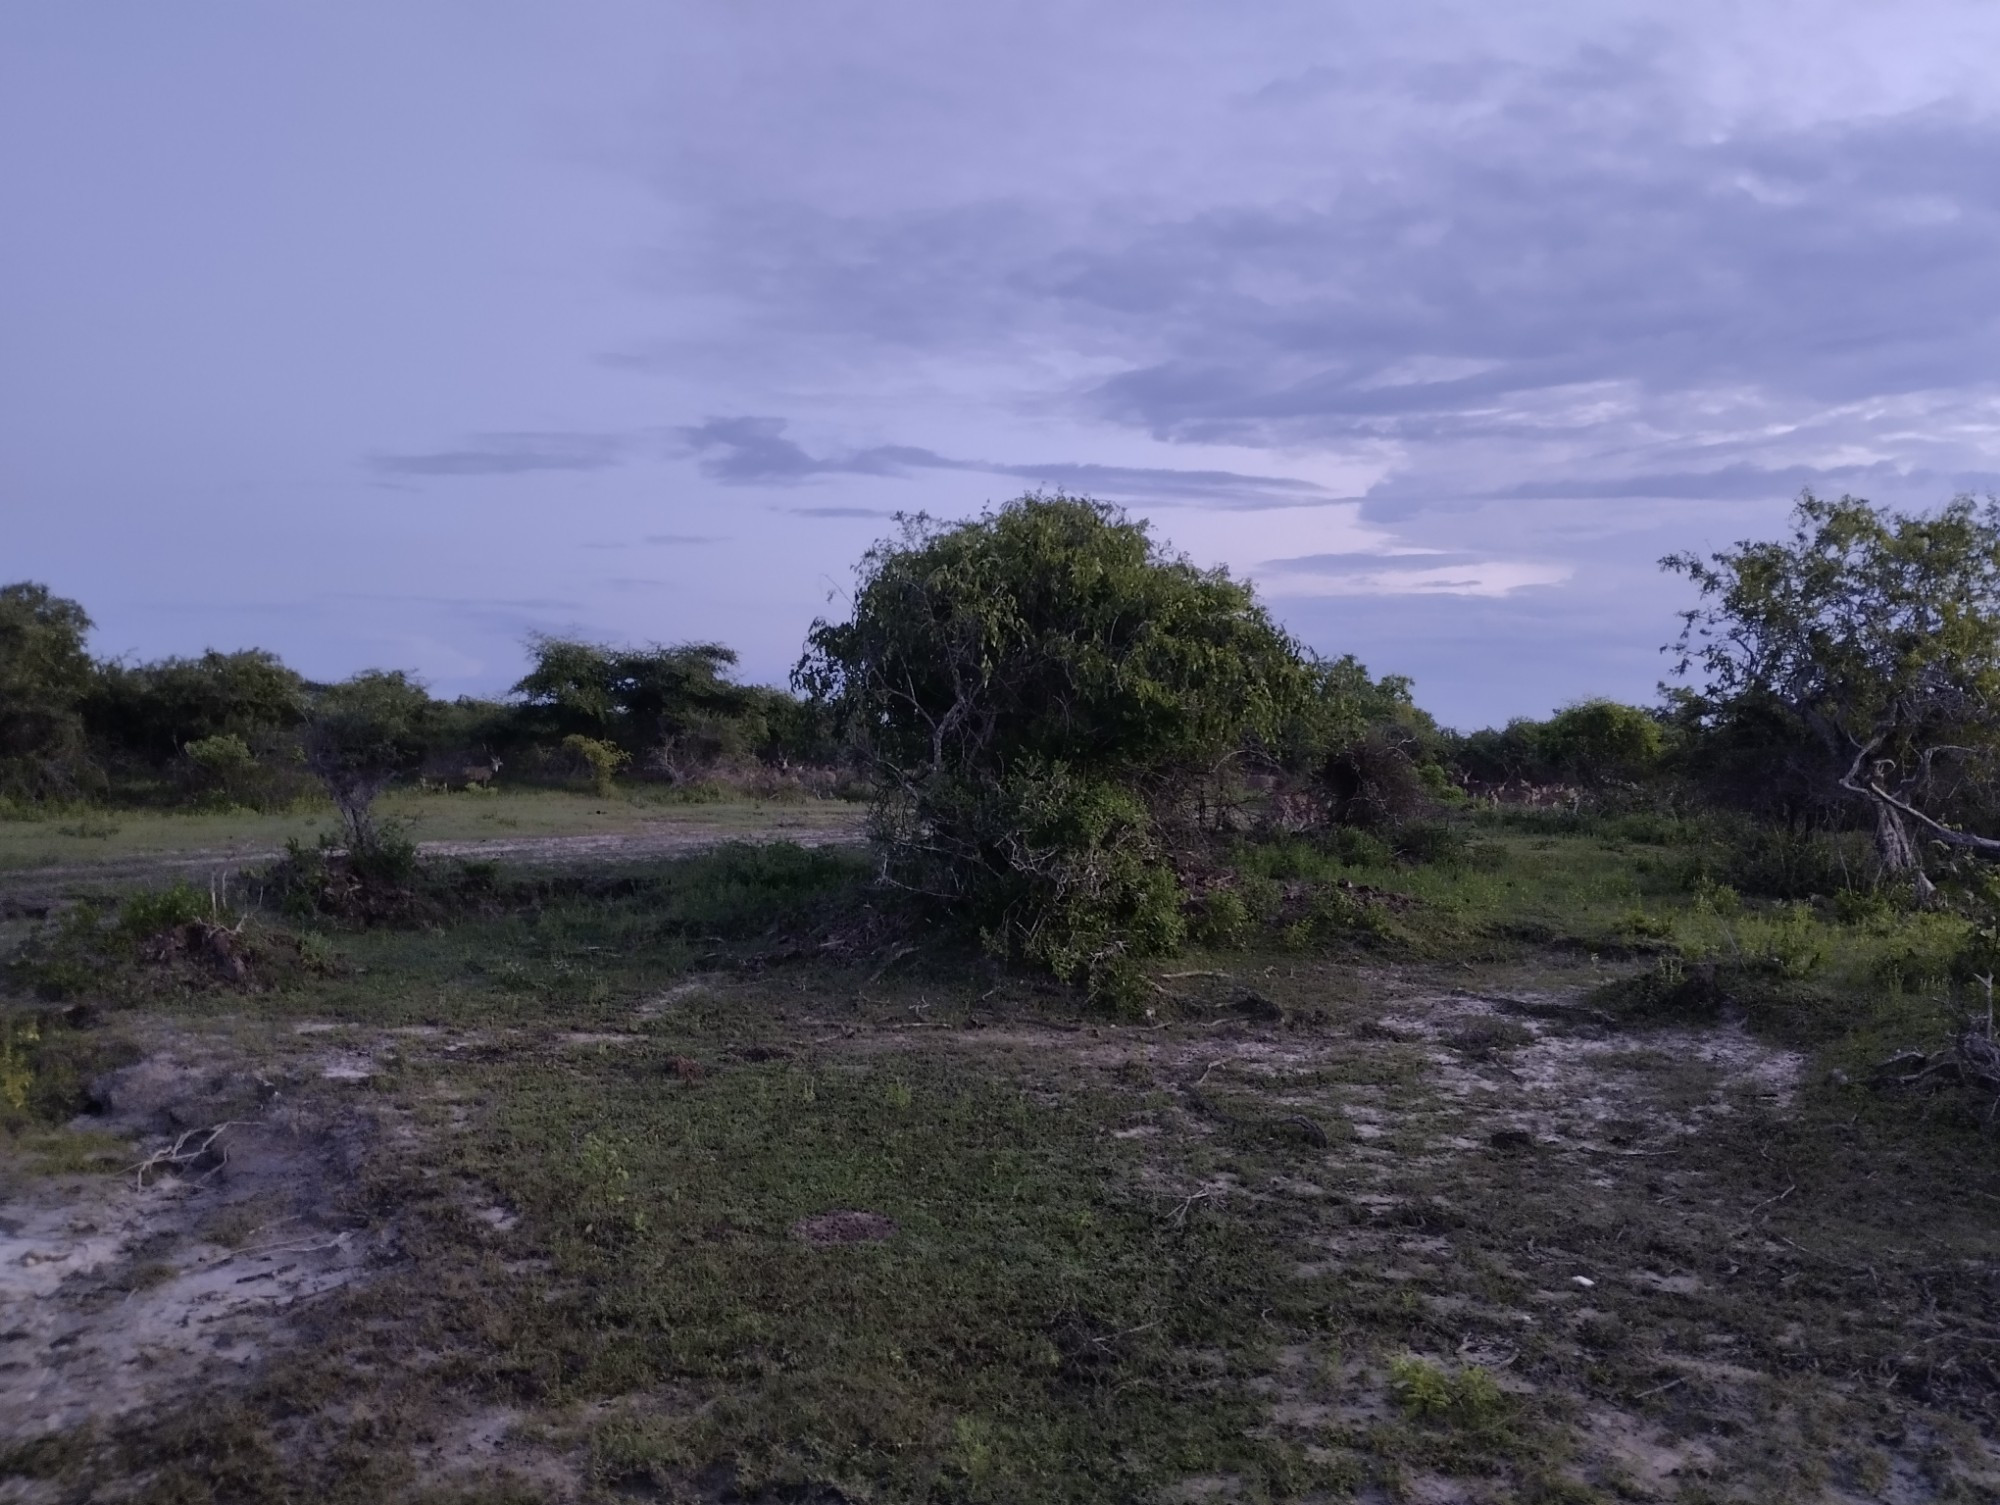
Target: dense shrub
[(1034, 693), (151, 712)]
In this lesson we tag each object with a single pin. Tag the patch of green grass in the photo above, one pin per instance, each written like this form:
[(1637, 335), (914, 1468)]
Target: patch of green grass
[(1097, 1287)]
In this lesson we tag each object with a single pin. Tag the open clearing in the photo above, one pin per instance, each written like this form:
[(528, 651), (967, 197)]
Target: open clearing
[(579, 1204)]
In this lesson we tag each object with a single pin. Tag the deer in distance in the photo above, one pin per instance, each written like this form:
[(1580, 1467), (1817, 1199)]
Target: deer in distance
[(454, 774)]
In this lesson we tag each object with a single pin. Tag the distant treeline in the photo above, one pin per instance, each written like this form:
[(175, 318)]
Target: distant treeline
[(235, 728), (231, 729), (1845, 677)]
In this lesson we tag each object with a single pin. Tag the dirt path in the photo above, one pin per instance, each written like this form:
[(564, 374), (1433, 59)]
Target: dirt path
[(641, 845)]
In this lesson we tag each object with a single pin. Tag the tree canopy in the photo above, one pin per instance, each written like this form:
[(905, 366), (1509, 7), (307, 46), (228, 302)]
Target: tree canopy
[(636, 697), (154, 710), (1878, 633)]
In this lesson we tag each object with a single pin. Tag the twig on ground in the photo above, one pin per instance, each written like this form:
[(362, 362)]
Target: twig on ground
[(186, 1150)]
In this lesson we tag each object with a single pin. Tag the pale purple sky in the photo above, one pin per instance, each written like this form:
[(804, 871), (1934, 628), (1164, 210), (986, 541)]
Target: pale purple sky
[(384, 334)]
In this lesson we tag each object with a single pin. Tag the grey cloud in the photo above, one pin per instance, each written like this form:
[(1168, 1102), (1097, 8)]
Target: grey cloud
[(1351, 563), (755, 451), (660, 540), (512, 454), (1581, 259)]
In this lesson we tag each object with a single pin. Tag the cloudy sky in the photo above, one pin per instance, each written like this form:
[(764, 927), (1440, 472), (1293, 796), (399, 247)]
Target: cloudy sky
[(386, 333)]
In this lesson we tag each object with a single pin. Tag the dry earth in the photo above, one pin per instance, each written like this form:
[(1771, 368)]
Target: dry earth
[(120, 1294)]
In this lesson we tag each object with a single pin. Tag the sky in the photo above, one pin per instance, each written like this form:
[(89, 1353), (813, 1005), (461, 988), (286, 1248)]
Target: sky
[(388, 334)]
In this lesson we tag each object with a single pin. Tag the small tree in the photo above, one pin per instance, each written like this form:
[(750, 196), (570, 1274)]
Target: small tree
[(359, 735), (1032, 692), (1878, 634), (603, 759)]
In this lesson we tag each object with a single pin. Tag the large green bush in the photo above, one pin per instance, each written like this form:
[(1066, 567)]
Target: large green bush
[(1034, 692)]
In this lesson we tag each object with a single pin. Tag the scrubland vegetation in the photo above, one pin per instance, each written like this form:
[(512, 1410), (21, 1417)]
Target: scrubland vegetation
[(1078, 1045)]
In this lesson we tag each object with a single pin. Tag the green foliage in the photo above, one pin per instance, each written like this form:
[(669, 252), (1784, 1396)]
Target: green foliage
[(1031, 691), (151, 711), (1359, 747), (1439, 842), (1874, 633), (1221, 918), (380, 881), (46, 1062), (223, 766), (1601, 741), (1430, 1392), (149, 912), (604, 759), (45, 673), (1593, 743), (636, 698), (362, 733), (1781, 862), (1499, 756)]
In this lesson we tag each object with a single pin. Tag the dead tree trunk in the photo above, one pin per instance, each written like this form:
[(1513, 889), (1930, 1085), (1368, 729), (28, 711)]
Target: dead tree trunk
[(1896, 850)]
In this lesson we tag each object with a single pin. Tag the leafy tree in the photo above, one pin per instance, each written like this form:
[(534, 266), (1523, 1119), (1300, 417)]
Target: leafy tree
[(1032, 692), (359, 735), (45, 673), (641, 699), (1512, 754), (153, 711), (1601, 741), (1360, 744), (1878, 634)]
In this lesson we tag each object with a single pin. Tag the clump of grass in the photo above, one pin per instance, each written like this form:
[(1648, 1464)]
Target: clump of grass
[(1426, 1391), (47, 1060)]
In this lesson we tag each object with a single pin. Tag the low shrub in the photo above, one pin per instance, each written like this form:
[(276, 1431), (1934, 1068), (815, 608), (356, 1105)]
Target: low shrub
[(1431, 1392), (1777, 862), (172, 940), (47, 1060), (601, 759), (1436, 843), (383, 881)]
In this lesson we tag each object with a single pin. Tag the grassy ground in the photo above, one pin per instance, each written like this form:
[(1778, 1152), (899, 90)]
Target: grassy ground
[(112, 838), (1469, 1196)]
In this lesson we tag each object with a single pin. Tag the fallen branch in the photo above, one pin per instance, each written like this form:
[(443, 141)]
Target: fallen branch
[(189, 1149)]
